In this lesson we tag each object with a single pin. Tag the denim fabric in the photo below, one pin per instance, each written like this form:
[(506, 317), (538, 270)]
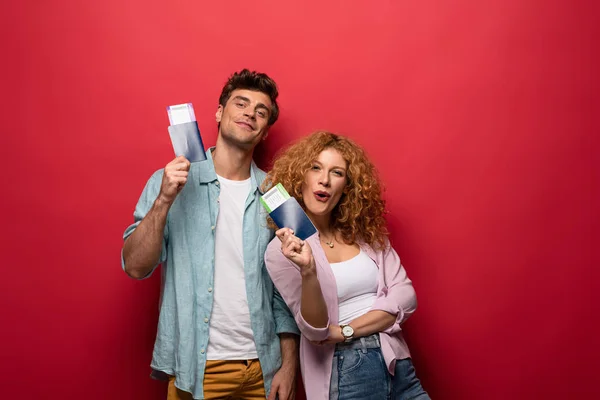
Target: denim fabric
[(187, 278), (395, 295), (359, 372)]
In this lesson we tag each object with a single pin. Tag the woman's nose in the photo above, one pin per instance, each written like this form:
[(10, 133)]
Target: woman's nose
[(324, 179)]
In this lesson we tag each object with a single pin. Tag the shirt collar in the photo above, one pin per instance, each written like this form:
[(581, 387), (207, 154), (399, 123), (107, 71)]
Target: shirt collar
[(206, 172)]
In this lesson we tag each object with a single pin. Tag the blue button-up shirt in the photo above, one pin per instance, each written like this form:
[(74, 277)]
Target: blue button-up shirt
[(188, 262)]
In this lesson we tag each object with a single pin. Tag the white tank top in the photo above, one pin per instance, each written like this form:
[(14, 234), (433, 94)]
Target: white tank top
[(356, 281)]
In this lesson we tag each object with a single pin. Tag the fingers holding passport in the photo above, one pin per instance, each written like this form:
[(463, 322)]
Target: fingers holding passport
[(174, 178), (293, 248), (290, 244)]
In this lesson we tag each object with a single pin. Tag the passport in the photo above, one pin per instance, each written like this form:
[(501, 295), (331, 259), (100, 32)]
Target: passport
[(286, 212), (184, 132)]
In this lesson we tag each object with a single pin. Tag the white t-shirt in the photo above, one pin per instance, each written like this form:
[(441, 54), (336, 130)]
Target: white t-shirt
[(230, 332), (356, 281)]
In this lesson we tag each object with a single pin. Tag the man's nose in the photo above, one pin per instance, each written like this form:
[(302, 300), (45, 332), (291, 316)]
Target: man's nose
[(250, 113)]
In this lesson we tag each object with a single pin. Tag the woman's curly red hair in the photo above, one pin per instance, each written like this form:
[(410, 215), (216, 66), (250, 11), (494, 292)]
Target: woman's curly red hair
[(359, 215)]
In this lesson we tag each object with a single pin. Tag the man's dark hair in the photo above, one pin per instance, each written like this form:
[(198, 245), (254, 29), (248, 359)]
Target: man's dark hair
[(252, 80)]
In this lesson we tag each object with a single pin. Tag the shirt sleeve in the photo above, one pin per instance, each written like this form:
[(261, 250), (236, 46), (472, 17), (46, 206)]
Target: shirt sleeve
[(397, 297), (288, 281), (284, 320), (144, 204)]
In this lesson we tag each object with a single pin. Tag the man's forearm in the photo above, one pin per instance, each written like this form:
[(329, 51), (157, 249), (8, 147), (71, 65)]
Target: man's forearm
[(289, 350), (141, 251)]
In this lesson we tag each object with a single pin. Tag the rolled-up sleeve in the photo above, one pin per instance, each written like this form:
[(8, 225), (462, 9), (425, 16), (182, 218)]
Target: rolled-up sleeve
[(144, 204), (284, 320), (288, 281), (397, 295)]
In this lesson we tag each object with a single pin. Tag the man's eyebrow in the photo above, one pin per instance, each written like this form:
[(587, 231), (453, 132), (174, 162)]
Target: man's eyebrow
[(242, 98), (261, 105), (247, 100)]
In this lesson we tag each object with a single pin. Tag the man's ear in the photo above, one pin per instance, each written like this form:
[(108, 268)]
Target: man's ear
[(265, 134), (219, 114)]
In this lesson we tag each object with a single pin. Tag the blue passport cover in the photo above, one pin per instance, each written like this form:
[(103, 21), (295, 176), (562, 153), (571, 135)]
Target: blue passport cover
[(187, 141), (291, 215)]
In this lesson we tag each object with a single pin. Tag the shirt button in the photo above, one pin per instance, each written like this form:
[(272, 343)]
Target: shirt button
[(217, 183), (202, 351), (209, 289), (212, 227), (206, 320)]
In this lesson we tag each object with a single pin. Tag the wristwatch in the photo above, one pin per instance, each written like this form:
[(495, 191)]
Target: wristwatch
[(347, 333)]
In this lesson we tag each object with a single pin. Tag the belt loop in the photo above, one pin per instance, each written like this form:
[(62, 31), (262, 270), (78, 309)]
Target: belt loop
[(363, 343)]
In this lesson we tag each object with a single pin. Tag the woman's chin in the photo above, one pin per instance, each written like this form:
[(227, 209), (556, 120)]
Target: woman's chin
[(318, 213)]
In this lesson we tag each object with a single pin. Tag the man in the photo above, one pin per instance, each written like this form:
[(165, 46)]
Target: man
[(223, 331)]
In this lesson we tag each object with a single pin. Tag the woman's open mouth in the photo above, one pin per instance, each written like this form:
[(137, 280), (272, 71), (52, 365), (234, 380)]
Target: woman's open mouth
[(322, 196)]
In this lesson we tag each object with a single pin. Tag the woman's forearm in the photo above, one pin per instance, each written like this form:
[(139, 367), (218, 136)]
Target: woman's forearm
[(372, 322), (312, 306)]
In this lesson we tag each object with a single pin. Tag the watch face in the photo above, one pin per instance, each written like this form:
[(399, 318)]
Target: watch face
[(347, 331)]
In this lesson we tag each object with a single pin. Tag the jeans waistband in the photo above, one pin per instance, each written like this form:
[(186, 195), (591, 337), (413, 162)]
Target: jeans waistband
[(367, 342)]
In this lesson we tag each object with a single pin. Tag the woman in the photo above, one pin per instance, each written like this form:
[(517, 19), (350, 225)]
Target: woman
[(345, 284)]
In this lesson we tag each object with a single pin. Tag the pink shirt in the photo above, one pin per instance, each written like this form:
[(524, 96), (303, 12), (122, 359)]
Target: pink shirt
[(395, 295)]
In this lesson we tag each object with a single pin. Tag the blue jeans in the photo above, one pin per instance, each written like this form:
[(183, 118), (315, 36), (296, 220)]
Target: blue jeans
[(359, 372)]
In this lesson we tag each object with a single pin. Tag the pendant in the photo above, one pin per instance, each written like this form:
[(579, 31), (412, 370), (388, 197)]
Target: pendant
[(330, 244)]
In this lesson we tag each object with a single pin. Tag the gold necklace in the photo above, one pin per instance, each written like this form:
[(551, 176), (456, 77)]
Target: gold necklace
[(330, 244)]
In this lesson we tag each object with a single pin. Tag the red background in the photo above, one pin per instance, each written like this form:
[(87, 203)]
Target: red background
[(479, 116)]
